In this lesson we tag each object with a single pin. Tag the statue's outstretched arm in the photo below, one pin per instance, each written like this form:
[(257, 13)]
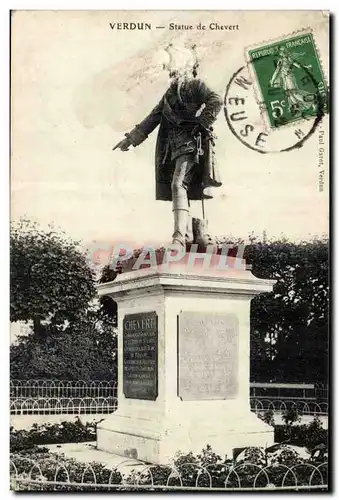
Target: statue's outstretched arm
[(143, 129)]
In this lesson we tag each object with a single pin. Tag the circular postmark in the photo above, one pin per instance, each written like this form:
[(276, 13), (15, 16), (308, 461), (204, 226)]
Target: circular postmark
[(277, 119)]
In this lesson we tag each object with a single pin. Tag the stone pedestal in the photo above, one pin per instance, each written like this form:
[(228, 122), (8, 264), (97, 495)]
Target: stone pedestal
[(184, 367)]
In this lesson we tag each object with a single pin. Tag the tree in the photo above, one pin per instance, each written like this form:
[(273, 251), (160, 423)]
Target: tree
[(50, 279), (73, 335), (85, 350), (108, 306), (289, 327)]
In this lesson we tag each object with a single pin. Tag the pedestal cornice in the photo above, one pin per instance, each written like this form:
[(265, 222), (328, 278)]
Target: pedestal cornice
[(155, 281)]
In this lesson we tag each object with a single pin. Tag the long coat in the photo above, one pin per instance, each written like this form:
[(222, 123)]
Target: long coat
[(190, 107)]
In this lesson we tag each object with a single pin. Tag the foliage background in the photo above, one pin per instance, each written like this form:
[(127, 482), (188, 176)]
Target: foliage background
[(74, 333)]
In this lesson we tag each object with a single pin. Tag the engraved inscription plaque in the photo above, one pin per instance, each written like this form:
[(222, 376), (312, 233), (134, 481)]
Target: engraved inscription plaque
[(207, 356), (140, 356)]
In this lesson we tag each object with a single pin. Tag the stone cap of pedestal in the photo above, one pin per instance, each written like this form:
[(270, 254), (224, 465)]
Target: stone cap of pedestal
[(180, 279)]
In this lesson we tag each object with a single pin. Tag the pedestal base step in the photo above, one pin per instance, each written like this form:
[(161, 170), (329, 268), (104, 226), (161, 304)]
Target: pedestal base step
[(160, 447)]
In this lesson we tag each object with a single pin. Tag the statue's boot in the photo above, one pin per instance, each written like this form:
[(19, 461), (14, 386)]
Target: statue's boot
[(200, 235), (180, 226)]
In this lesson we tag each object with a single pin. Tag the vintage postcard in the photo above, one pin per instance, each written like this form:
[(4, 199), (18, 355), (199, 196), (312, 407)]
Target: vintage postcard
[(169, 251)]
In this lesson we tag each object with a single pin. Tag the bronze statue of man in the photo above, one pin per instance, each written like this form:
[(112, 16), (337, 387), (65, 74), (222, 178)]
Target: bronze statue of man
[(184, 157)]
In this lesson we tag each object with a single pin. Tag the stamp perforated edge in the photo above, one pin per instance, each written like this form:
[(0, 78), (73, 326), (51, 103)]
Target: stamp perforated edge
[(257, 91)]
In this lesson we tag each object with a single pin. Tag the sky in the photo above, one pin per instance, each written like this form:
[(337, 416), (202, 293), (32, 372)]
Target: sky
[(78, 86)]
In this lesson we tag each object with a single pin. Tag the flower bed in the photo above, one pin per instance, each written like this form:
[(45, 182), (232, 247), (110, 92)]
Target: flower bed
[(310, 435), (35, 468), (65, 432), (252, 468)]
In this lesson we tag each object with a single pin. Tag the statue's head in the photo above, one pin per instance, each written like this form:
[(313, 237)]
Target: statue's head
[(182, 63)]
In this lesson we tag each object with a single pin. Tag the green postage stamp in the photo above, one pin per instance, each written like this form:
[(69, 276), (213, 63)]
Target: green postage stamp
[(289, 79)]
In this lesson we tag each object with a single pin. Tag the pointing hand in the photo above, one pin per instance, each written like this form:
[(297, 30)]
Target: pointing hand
[(123, 145)]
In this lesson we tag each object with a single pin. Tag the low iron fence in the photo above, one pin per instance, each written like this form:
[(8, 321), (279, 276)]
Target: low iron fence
[(64, 397), (56, 475), (281, 406), (63, 406), (31, 389), (48, 397)]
